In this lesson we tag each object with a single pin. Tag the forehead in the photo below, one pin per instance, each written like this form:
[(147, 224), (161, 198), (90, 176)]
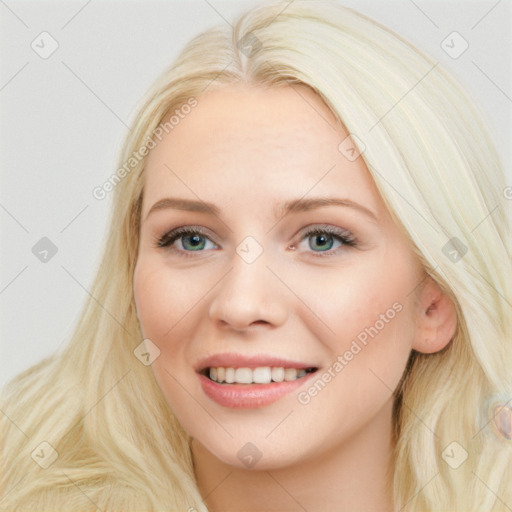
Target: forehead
[(252, 141)]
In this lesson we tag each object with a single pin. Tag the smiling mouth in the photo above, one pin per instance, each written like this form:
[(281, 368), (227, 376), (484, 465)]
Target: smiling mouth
[(260, 375)]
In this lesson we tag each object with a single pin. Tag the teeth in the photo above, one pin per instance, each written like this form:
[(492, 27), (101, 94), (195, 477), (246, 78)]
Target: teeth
[(230, 375), (278, 374), (261, 375), (290, 374), (242, 375)]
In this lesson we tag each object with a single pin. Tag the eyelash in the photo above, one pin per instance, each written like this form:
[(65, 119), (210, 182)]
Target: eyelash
[(165, 241)]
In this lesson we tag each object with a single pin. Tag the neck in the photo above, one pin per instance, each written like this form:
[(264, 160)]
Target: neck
[(354, 475)]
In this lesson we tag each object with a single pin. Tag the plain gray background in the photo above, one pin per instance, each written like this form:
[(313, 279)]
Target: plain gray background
[(64, 117)]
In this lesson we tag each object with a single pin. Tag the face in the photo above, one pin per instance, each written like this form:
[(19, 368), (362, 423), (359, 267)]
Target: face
[(244, 275)]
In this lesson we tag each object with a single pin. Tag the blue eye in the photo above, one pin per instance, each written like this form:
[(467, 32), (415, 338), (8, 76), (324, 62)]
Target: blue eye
[(323, 238), (195, 239), (192, 240)]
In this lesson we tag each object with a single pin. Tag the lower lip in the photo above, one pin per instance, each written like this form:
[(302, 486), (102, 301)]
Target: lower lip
[(247, 396)]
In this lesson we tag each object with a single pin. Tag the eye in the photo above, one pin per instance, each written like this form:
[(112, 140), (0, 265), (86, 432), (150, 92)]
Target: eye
[(195, 239), (322, 239), (192, 239)]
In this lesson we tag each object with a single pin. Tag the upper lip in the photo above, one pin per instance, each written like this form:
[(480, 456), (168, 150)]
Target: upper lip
[(233, 360)]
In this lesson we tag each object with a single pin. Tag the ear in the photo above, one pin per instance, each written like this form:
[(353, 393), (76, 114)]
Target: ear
[(436, 319)]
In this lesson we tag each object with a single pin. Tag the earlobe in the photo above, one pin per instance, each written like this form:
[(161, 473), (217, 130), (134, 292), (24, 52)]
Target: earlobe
[(436, 319)]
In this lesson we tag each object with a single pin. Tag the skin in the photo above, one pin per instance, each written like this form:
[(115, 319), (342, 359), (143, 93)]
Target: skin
[(246, 149)]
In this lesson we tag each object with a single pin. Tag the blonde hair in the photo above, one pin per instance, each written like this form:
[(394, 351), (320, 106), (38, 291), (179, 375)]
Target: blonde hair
[(120, 447)]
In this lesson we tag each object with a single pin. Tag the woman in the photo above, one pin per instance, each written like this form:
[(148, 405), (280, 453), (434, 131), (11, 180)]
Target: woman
[(305, 298)]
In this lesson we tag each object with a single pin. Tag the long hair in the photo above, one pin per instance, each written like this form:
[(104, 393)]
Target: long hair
[(95, 411)]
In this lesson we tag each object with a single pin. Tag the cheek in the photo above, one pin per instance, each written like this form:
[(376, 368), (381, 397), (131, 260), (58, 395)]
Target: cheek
[(373, 324), (368, 325), (357, 300), (163, 298), (171, 303), (153, 300), (167, 302)]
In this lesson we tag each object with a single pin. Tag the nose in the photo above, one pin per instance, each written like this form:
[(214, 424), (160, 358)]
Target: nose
[(249, 295)]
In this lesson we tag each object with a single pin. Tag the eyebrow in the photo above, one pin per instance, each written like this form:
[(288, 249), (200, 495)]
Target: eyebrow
[(292, 206)]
